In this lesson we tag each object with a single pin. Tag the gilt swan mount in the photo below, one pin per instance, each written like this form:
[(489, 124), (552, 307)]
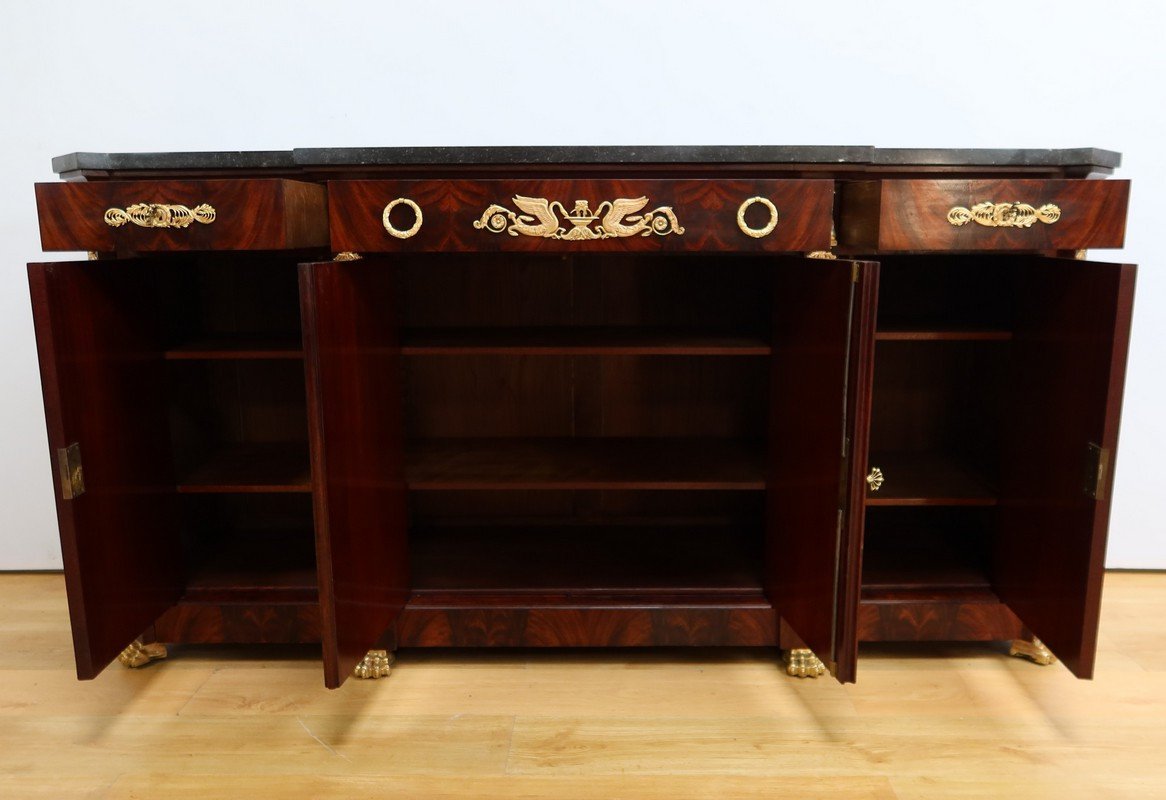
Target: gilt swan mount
[(550, 219)]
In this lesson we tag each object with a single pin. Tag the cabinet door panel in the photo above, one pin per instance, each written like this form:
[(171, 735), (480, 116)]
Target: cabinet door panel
[(352, 356), (823, 349), (103, 379), (1071, 337)]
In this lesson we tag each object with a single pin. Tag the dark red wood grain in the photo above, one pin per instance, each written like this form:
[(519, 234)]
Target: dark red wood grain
[(251, 214), (706, 209), (859, 392), (966, 618), (1069, 363), (104, 383), (822, 310), (353, 368), (252, 622), (500, 621), (911, 215)]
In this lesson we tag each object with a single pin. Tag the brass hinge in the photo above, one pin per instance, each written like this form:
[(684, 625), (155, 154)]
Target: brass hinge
[(69, 467), (854, 272), (1096, 469)]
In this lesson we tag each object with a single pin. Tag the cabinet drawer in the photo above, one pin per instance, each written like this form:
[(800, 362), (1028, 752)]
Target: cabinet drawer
[(111, 216), (890, 216), (580, 215)]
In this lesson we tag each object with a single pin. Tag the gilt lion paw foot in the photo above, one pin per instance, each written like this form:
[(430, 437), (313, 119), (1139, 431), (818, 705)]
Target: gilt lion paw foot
[(1034, 651), (139, 654), (376, 664), (802, 663)]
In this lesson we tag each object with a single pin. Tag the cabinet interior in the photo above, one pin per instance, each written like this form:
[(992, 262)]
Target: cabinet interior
[(585, 426), (588, 424), (941, 390), (230, 337)]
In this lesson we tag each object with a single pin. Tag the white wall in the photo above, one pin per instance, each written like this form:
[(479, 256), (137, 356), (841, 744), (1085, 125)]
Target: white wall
[(230, 75)]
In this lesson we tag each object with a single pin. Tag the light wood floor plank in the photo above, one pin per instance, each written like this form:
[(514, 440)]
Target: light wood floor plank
[(719, 787), (938, 721)]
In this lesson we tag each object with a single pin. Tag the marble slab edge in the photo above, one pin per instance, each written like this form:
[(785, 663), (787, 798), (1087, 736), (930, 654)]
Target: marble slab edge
[(240, 159), (307, 158)]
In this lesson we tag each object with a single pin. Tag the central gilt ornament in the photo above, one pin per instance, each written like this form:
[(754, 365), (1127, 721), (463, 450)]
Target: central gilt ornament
[(550, 219)]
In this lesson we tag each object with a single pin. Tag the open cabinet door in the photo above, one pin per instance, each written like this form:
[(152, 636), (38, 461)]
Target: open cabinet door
[(823, 355), (1069, 358), (103, 378), (353, 367)]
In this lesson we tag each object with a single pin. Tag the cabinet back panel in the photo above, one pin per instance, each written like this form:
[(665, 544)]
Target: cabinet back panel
[(535, 396), (945, 292), (241, 513), (682, 396), (939, 397), (485, 291), (913, 549), (461, 396), (719, 292), (554, 291), (218, 295), (218, 403)]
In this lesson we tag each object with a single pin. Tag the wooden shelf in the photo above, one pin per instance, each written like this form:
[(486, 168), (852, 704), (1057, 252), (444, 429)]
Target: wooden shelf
[(941, 334), (597, 585), (251, 468), (928, 479), (596, 463), (254, 566), (237, 348), (580, 341), (926, 575), (593, 560)]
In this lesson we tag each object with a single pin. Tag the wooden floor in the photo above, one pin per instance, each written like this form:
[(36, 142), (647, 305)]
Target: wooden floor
[(923, 722)]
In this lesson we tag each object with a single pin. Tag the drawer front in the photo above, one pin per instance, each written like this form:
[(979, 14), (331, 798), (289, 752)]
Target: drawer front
[(131, 216), (580, 215), (974, 215)]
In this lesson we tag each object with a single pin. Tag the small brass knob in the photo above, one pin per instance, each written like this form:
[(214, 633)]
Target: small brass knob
[(875, 479)]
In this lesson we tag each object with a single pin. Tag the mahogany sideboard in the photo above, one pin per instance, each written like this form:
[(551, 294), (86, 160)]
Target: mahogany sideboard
[(783, 397)]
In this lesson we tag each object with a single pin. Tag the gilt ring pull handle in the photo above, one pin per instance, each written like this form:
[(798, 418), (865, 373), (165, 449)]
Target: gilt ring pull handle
[(757, 233), (160, 215), (397, 232), (875, 479)]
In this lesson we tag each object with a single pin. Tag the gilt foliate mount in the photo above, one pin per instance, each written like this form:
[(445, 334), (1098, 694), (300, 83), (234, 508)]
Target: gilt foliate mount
[(160, 215), (1004, 215), (550, 219)]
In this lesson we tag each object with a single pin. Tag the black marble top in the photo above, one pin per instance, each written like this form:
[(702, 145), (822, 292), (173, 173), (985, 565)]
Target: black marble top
[(310, 157)]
